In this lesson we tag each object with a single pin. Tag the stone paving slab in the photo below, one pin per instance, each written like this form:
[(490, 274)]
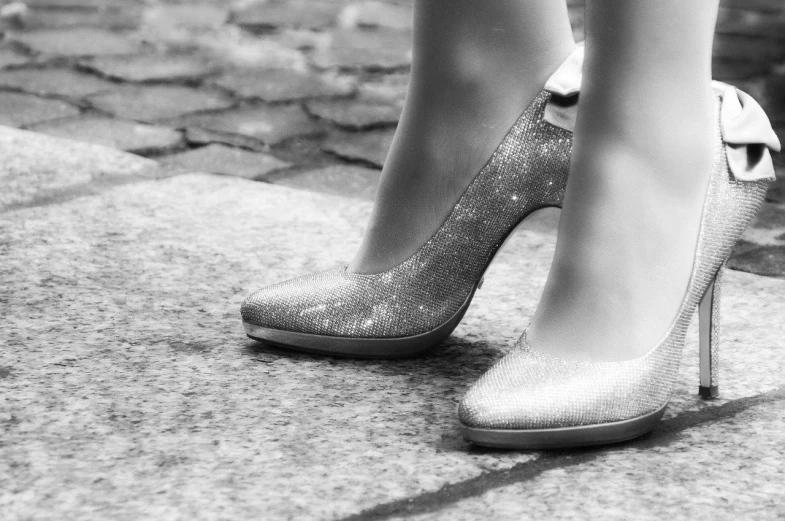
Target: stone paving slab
[(130, 390), (346, 180), (763, 6), (390, 88), (743, 47), (156, 102), (131, 136), (9, 57), (81, 42), (309, 14), (77, 4), (752, 23), (373, 14), (37, 169), (221, 159), (20, 109), (152, 67), (354, 49), (277, 85), (200, 16), (57, 82), (763, 260), (369, 147), (355, 114), (762, 248), (266, 124), (46, 17)]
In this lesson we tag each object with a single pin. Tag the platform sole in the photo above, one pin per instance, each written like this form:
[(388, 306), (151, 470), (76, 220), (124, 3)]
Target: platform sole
[(565, 437), (399, 347)]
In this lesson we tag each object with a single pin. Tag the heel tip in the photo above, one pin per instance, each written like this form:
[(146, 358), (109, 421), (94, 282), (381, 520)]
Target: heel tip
[(709, 392)]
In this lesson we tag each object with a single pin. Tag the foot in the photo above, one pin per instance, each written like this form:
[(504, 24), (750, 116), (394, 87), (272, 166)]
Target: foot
[(476, 68), (628, 233), (448, 131)]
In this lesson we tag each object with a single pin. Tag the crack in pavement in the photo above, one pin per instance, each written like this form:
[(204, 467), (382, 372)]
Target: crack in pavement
[(666, 432)]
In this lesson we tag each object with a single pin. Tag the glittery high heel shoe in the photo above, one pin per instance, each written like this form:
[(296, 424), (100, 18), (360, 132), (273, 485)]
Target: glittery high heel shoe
[(531, 400), (415, 305)]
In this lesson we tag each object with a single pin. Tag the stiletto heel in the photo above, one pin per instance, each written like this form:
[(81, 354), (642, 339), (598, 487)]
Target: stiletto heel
[(531, 400), (709, 322)]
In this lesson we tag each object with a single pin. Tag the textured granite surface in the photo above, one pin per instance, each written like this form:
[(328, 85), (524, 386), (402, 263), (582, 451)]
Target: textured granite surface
[(728, 469), (130, 391), (37, 168)]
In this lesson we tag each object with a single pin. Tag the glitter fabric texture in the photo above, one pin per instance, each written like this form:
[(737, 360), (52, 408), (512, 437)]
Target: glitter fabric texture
[(527, 171), (531, 390)]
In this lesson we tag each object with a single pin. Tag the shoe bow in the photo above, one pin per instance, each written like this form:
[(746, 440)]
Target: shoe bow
[(747, 133), (564, 85)]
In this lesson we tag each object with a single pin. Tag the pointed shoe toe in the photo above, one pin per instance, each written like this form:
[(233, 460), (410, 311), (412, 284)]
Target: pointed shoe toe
[(532, 401), (348, 314)]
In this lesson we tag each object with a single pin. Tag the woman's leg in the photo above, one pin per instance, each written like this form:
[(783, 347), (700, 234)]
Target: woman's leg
[(477, 65), (641, 162)]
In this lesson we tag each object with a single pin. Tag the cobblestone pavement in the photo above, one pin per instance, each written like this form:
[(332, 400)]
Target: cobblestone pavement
[(209, 144), (304, 93)]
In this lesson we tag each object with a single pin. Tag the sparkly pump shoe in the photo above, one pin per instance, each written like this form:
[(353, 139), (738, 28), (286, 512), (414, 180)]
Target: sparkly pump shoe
[(415, 305), (531, 400)]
